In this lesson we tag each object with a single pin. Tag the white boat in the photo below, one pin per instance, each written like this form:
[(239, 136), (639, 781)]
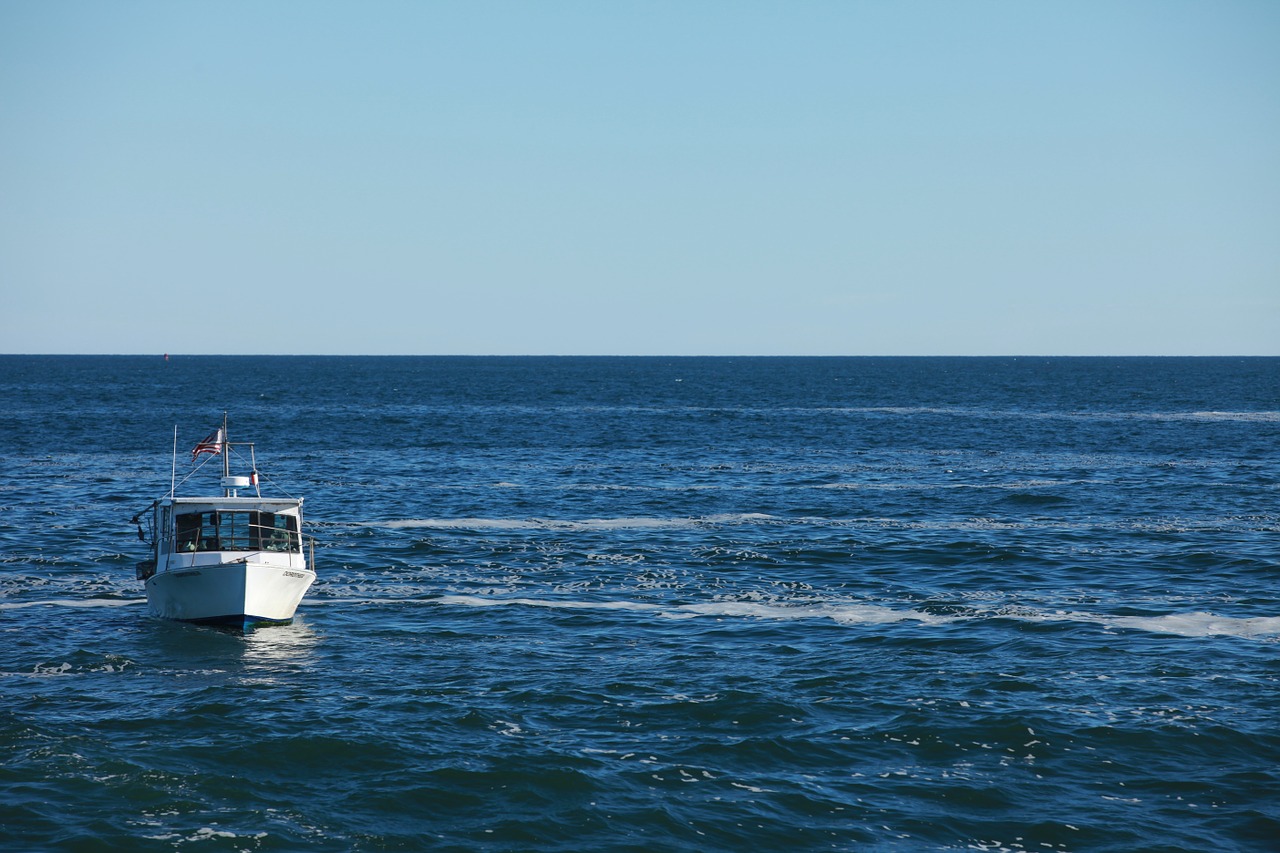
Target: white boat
[(227, 560)]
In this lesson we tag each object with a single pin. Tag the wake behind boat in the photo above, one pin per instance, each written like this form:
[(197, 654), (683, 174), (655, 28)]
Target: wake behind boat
[(228, 559)]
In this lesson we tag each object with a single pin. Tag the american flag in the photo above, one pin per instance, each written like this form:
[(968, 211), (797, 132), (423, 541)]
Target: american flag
[(212, 444)]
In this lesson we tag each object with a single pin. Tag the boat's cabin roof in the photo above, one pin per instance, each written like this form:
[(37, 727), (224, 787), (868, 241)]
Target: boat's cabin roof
[(228, 524), (277, 505)]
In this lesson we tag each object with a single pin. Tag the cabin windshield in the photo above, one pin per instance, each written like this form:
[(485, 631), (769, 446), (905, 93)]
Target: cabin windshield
[(224, 530)]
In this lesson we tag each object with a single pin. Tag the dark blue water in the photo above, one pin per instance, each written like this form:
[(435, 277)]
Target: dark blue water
[(658, 604)]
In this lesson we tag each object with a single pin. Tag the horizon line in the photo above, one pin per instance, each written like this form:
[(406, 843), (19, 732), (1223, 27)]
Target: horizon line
[(166, 356)]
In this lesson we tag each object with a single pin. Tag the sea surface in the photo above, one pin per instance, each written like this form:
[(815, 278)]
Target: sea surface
[(606, 604)]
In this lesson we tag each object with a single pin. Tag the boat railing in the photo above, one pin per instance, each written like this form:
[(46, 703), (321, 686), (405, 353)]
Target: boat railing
[(255, 537), (187, 557)]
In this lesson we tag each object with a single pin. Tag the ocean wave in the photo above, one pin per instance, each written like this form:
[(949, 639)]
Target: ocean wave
[(624, 523), (1191, 624), (1025, 414), (1199, 624), (205, 833), (846, 614), (1194, 624), (1010, 494), (1247, 417), (72, 602)]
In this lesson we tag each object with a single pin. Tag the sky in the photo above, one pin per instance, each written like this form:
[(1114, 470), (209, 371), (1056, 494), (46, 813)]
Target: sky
[(863, 177)]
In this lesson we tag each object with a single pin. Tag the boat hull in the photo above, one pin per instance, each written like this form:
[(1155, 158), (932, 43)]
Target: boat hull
[(243, 592)]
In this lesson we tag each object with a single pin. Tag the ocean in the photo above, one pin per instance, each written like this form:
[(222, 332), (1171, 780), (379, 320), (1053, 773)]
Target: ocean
[(635, 604)]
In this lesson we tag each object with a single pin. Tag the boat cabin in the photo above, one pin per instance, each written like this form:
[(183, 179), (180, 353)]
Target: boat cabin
[(234, 530), (195, 531), (229, 559)]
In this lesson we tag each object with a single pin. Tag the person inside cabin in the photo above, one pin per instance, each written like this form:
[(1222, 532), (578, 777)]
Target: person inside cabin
[(188, 538), (198, 531)]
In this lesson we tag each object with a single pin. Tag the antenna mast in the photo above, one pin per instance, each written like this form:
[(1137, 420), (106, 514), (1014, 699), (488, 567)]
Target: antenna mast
[(226, 456), (173, 464)]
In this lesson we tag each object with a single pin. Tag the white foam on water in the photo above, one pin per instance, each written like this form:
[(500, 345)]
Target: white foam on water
[(753, 789), (740, 518), (557, 604), (204, 833), (1201, 624), (461, 523), (629, 523), (624, 523), (845, 614), (1198, 624), (68, 602), (873, 522), (1254, 417), (1248, 417)]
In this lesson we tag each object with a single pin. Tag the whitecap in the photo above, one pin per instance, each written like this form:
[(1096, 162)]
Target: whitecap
[(753, 789), (1201, 624), (740, 518), (68, 602), (459, 523), (622, 523), (1197, 624), (847, 614), (558, 604), (1248, 417)]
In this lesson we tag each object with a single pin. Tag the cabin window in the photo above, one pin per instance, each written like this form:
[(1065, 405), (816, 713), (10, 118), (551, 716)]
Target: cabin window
[(188, 538), (236, 531), (273, 532)]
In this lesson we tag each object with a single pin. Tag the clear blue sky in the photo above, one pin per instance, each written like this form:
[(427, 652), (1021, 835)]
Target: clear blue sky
[(640, 178)]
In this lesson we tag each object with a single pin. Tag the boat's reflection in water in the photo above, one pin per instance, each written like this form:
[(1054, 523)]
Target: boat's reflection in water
[(267, 654), (288, 646)]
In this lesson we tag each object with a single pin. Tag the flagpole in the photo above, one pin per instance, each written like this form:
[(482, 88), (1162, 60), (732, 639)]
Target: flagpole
[(173, 465), (226, 456)]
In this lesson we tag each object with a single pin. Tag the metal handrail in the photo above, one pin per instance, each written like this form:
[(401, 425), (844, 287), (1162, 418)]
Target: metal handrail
[(291, 539), (307, 547)]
